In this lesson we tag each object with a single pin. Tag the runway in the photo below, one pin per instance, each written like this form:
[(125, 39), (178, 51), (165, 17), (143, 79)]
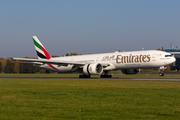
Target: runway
[(73, 78)]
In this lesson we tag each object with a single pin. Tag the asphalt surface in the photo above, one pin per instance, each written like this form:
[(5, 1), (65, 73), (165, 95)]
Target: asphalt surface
[(73, 78)]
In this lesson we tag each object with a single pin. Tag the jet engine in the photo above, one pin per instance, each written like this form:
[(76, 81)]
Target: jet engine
[(93, 69), (130, 71)]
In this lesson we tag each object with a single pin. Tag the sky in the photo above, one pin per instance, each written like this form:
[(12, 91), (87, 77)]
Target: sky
[(87, 26)]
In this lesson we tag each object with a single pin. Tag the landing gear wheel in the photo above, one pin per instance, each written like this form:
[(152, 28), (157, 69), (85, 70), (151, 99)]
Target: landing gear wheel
[(84, 76), (106, 76), (161, 73), (162, 70), (110, 76)]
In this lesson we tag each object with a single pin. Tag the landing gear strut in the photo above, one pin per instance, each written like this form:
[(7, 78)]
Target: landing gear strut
[(106, 75), (161, 71)]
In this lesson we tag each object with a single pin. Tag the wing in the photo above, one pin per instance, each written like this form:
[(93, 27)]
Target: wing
[(56, 62), (44, 61)]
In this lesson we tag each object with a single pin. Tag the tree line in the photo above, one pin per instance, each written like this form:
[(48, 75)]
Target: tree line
[(7, 66)]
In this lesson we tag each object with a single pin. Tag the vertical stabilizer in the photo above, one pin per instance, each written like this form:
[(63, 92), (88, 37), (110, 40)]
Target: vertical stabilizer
[(40, 49)]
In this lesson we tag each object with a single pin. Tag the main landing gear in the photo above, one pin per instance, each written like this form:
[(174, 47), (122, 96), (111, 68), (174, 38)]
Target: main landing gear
[(89, 76), (102, 76), (106, 75), (84, 76)]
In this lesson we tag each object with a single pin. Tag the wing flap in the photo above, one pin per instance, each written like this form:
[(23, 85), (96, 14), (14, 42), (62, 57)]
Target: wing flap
[(27, 62)]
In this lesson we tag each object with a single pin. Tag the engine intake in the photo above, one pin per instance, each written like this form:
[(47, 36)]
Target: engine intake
[(93, 69), (130, 71)]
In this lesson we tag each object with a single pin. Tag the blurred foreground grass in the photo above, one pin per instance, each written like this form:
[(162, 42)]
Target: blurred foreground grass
[(88, 99)]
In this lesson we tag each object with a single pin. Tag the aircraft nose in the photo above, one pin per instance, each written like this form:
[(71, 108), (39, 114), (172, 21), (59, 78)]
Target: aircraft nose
[(170, 61), (173, 59)]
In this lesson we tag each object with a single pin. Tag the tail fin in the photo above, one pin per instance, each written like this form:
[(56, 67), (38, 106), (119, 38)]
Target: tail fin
[(41, 51)]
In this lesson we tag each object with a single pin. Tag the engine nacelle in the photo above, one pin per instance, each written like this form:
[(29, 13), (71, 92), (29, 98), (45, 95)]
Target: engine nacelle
[(130, 71), (93, 69)]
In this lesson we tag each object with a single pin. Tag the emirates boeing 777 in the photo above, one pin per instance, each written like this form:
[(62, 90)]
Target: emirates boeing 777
[(100, 64)]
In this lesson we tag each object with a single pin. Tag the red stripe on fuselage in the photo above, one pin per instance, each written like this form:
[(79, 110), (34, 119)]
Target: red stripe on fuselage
[(50, 65)]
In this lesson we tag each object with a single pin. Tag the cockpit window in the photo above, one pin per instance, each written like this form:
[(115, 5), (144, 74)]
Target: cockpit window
[(169, 55)]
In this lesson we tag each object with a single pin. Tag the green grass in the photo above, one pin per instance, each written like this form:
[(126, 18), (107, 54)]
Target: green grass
[(25, 99), (93, 76), (39, 75)]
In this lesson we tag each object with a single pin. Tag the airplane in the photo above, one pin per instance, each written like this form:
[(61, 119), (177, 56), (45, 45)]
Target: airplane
[(100, 64)]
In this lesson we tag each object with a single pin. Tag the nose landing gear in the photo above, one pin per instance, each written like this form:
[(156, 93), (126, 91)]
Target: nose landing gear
[(162, 71)]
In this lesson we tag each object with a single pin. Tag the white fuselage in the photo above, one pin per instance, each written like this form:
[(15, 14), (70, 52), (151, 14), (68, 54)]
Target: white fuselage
[(117, 60)]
